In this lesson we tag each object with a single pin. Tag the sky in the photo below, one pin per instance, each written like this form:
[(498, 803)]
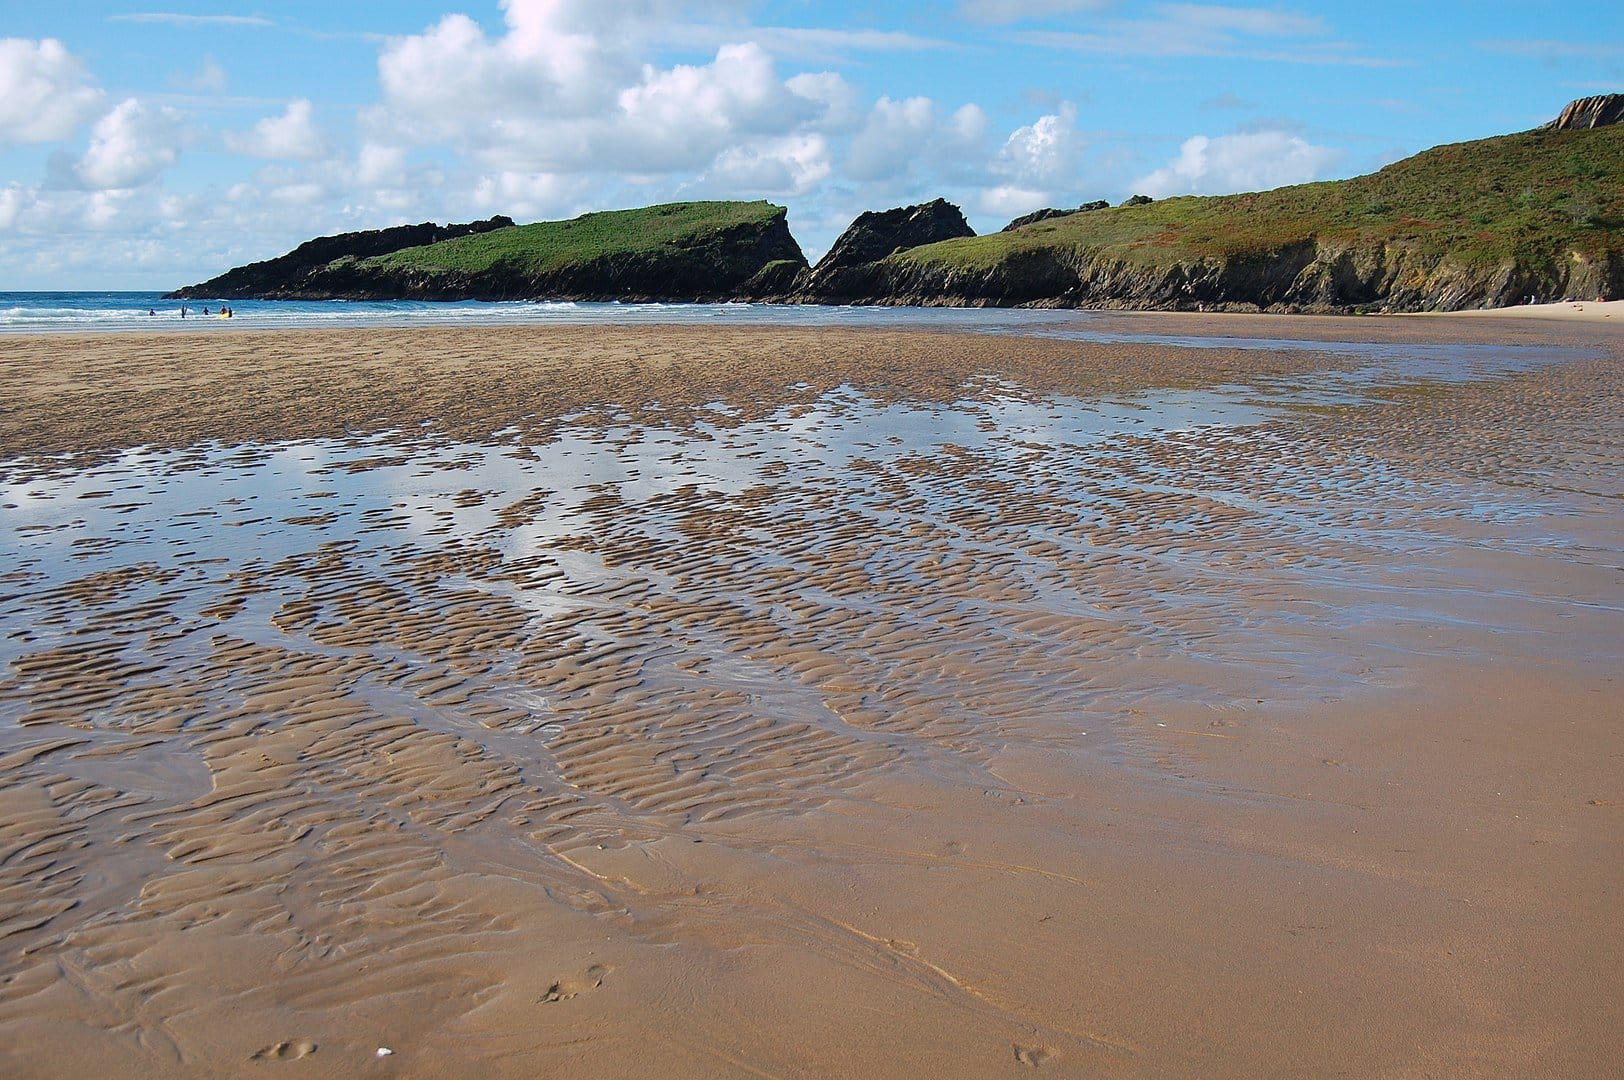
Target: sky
[(148, 147)]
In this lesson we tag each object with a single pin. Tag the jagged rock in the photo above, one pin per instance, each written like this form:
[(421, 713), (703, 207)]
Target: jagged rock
[(1137, 200), (876, 234), (284, 275), (1589, 112), (1050, 212)]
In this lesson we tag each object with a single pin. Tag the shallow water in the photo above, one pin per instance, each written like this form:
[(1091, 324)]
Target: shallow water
[(1023, 496), (96, 312)]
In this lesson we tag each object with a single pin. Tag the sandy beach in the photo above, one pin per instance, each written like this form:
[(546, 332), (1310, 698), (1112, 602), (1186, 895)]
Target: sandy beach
[(1191, 696), (1565, 311)]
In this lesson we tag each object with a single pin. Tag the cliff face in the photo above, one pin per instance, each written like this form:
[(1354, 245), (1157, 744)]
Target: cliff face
[(1590, 112), (286, 276), (1309, 276)]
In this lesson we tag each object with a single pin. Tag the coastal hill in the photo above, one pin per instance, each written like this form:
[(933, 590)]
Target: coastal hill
[(676, 251), (1490, 223), (284, 277)]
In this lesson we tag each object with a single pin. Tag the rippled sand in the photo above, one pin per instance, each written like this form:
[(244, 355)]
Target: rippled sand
[(746, 702)]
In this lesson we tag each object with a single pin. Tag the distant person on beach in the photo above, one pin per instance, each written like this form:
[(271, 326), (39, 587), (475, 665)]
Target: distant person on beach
[(183, 311)]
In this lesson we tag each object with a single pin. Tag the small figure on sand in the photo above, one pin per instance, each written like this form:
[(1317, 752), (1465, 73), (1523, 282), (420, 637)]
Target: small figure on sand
[(183, 311)]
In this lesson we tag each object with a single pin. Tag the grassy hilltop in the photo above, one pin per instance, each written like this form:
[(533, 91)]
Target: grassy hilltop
[(548, 246), (1469, 224), (676, 251)]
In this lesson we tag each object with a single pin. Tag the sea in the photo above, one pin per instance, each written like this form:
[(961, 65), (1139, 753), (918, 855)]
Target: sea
[(34, 312)]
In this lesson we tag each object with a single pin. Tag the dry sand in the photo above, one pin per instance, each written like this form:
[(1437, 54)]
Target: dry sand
[(611, 702), (1564, 311)]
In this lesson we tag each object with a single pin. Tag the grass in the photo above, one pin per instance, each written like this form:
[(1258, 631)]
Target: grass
[(1533, 195), (549, 245)]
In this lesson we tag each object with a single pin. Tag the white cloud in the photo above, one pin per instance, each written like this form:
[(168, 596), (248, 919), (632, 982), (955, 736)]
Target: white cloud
[(528, 194), (563, 91), (12, 201), (1008, 200), (892, 139), (1037, 166), (558, 58), (815, 43), (44, 91), (1008, 11), (170, 18), (835, 98), (1044, 152), (785, 166), (1181, 30), (290, 136), (904, 138), (306, 193), (131, 145), (209, 78), (1249, 161), (380, 166)]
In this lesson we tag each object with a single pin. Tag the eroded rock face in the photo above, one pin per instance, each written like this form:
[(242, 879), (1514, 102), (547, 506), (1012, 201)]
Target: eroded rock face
[(1590, 112), (876, 234), (1306, 276)]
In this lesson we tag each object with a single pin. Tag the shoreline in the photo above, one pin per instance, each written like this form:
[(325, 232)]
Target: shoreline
[(766, 315)]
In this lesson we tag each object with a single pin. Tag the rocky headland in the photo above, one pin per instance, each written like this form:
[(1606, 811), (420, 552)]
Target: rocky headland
[(1537, 215)]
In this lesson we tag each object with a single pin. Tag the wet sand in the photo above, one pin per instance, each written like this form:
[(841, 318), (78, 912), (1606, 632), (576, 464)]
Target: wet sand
[(1191, 696)]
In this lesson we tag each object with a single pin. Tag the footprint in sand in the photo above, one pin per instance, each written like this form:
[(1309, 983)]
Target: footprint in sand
[(1033, 1055), (286, 1051), (564, 989)]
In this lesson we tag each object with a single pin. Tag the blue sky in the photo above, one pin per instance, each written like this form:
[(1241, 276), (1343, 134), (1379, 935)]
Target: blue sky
[(149, 145)]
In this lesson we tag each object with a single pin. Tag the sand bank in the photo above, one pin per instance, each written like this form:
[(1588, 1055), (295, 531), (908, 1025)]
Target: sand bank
[(616, 702), (1566, 311)]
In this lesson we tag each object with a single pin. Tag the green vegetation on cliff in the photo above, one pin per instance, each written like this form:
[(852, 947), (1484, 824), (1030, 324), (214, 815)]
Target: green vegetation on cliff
[(548, 246), (674, 252), (1515, 210)]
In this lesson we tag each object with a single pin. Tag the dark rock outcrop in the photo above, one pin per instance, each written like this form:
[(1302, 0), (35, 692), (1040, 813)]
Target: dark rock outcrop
[(1589, 112), (1050, 212), (1305, 276), (288, 276), (877, 234)]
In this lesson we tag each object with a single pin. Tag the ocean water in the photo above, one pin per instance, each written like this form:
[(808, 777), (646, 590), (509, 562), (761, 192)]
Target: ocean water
[(33, 312)]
